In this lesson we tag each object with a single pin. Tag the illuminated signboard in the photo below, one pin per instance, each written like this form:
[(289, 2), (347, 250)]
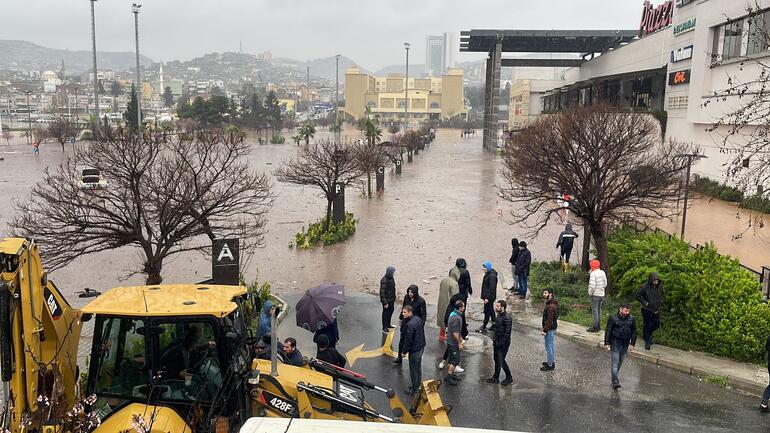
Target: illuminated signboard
[(655, 18), (683, 53), (680, 3), (679, 77), (684, 27)]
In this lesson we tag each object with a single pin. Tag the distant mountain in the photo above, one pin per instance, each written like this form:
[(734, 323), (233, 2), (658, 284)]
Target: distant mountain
[(23, 55), (414, 70)]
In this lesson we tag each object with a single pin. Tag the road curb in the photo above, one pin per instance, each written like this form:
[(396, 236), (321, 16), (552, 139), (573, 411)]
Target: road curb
[(752, 387)]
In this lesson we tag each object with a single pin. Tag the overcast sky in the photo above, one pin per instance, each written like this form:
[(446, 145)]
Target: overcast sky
[(371, 33)]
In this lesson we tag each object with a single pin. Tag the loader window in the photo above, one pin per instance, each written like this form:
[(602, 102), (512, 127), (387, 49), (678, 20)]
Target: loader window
[(189, 361), (120, 357)]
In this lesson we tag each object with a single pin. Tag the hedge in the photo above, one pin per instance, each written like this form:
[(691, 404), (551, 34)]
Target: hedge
[(712, 303)]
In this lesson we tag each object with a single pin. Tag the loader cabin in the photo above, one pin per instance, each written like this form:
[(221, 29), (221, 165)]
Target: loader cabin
[(169, 345)]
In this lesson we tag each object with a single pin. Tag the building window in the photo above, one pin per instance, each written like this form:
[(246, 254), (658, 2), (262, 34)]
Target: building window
[(675, 102), (371, 104), (434, 105), (731, 43), (758, 32), (517, 105)]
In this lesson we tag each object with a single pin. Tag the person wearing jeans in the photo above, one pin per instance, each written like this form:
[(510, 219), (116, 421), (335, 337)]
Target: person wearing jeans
[(550, 323), (619, 337), (522, 268), (597, 282), (414, 345)]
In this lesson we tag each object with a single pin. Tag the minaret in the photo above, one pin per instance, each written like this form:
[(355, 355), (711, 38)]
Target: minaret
[(62, 70), (240, 47), (162, 85)]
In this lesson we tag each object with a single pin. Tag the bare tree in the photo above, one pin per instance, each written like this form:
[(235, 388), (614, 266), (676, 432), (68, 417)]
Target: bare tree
[(165, 193), (410, 140), (322, 164), (369, 157), (62, 130), (743, 104), (612, 164), (7, 135)]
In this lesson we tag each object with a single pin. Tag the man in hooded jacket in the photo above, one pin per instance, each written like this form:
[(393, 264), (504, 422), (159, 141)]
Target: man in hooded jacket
[(446, 290), (514, 256), (651, 296), (465, 280), (387, 298), (418, 306), (523, 261), (488, 295), (566, 242)]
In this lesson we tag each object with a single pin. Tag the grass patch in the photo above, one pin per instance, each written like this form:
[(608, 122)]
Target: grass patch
[(315, 235), (717, 380)]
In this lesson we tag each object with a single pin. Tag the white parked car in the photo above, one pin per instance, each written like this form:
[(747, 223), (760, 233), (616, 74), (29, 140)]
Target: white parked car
[(92, 178)]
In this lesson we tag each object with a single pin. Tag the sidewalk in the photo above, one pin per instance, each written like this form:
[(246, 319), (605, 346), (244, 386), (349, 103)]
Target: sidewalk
[(741, 376)]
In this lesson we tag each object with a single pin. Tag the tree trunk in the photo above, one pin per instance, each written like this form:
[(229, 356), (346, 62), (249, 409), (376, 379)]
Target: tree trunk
[(328, 214), (152, 269), (600, 240), (368, 185), (585, 255), (62, 145), (409, 156)]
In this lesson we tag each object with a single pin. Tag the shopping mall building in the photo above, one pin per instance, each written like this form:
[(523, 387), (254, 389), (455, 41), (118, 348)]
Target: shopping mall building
[(685, 52)]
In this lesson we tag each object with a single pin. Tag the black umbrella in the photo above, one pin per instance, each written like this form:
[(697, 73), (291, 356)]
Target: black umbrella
[(320, 306)]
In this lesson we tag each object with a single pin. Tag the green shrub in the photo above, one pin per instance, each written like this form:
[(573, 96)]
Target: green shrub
[(757, 203), (712, 303), (315, 234), (277, 139), (714, 189)]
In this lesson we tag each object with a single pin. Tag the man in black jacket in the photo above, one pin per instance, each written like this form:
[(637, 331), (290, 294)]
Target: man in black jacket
[(465, 280), (488, 295), (500, 343), (619, 337), (413, 344), (566, 242), (514, 256), (766, 394), (414, 300), (522, 268), (329, 354), (650, 295), (387, 298)]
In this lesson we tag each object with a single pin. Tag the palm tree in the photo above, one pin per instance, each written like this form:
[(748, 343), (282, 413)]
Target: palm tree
[(297, 139), (306, 132), (373, 132)]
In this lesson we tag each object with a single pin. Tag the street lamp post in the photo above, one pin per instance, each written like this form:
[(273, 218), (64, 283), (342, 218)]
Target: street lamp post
[(337, 101), (29, 117), (135, 10), (690, 158), (406, 88), (96, 78)]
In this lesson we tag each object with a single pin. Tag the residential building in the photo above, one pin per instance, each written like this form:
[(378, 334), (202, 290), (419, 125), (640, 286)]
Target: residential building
[(431, 98)]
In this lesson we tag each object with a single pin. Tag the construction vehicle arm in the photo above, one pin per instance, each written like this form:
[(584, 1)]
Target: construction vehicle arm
[(39, 335)]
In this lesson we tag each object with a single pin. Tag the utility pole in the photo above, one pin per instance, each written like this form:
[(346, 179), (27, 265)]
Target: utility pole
[(690, 158), (406, 89), (96, 78), (308, 95), (135, 9), (337, 101)]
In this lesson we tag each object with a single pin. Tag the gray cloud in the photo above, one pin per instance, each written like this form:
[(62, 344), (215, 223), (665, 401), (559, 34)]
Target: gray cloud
[(370, 32)]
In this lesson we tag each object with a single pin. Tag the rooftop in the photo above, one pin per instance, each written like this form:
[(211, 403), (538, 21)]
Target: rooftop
[(167, 300)]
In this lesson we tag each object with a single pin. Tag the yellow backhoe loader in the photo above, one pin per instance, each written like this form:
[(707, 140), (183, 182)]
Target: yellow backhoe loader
[(166, 358)]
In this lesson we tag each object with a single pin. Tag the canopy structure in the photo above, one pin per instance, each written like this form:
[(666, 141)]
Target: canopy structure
[(585, 43)]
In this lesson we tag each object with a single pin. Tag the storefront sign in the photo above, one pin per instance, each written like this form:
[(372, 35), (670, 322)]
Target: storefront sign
[(683, 53), (654, 19), (679, 77), (684, 27), (680, 3)]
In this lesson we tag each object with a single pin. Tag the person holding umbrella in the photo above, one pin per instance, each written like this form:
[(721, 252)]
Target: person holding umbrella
[(318, 309)]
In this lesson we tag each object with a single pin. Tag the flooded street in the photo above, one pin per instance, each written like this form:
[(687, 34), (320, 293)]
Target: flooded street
[(444, 205)]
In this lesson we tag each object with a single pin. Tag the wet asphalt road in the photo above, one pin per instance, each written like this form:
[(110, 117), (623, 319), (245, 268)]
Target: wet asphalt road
[(576, 397)]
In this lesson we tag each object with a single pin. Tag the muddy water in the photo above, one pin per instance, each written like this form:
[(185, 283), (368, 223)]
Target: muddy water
[(443, 206)]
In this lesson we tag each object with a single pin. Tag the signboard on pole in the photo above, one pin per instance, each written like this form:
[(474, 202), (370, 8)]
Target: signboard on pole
[(225, 261), (338, 204), (380, 179)]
